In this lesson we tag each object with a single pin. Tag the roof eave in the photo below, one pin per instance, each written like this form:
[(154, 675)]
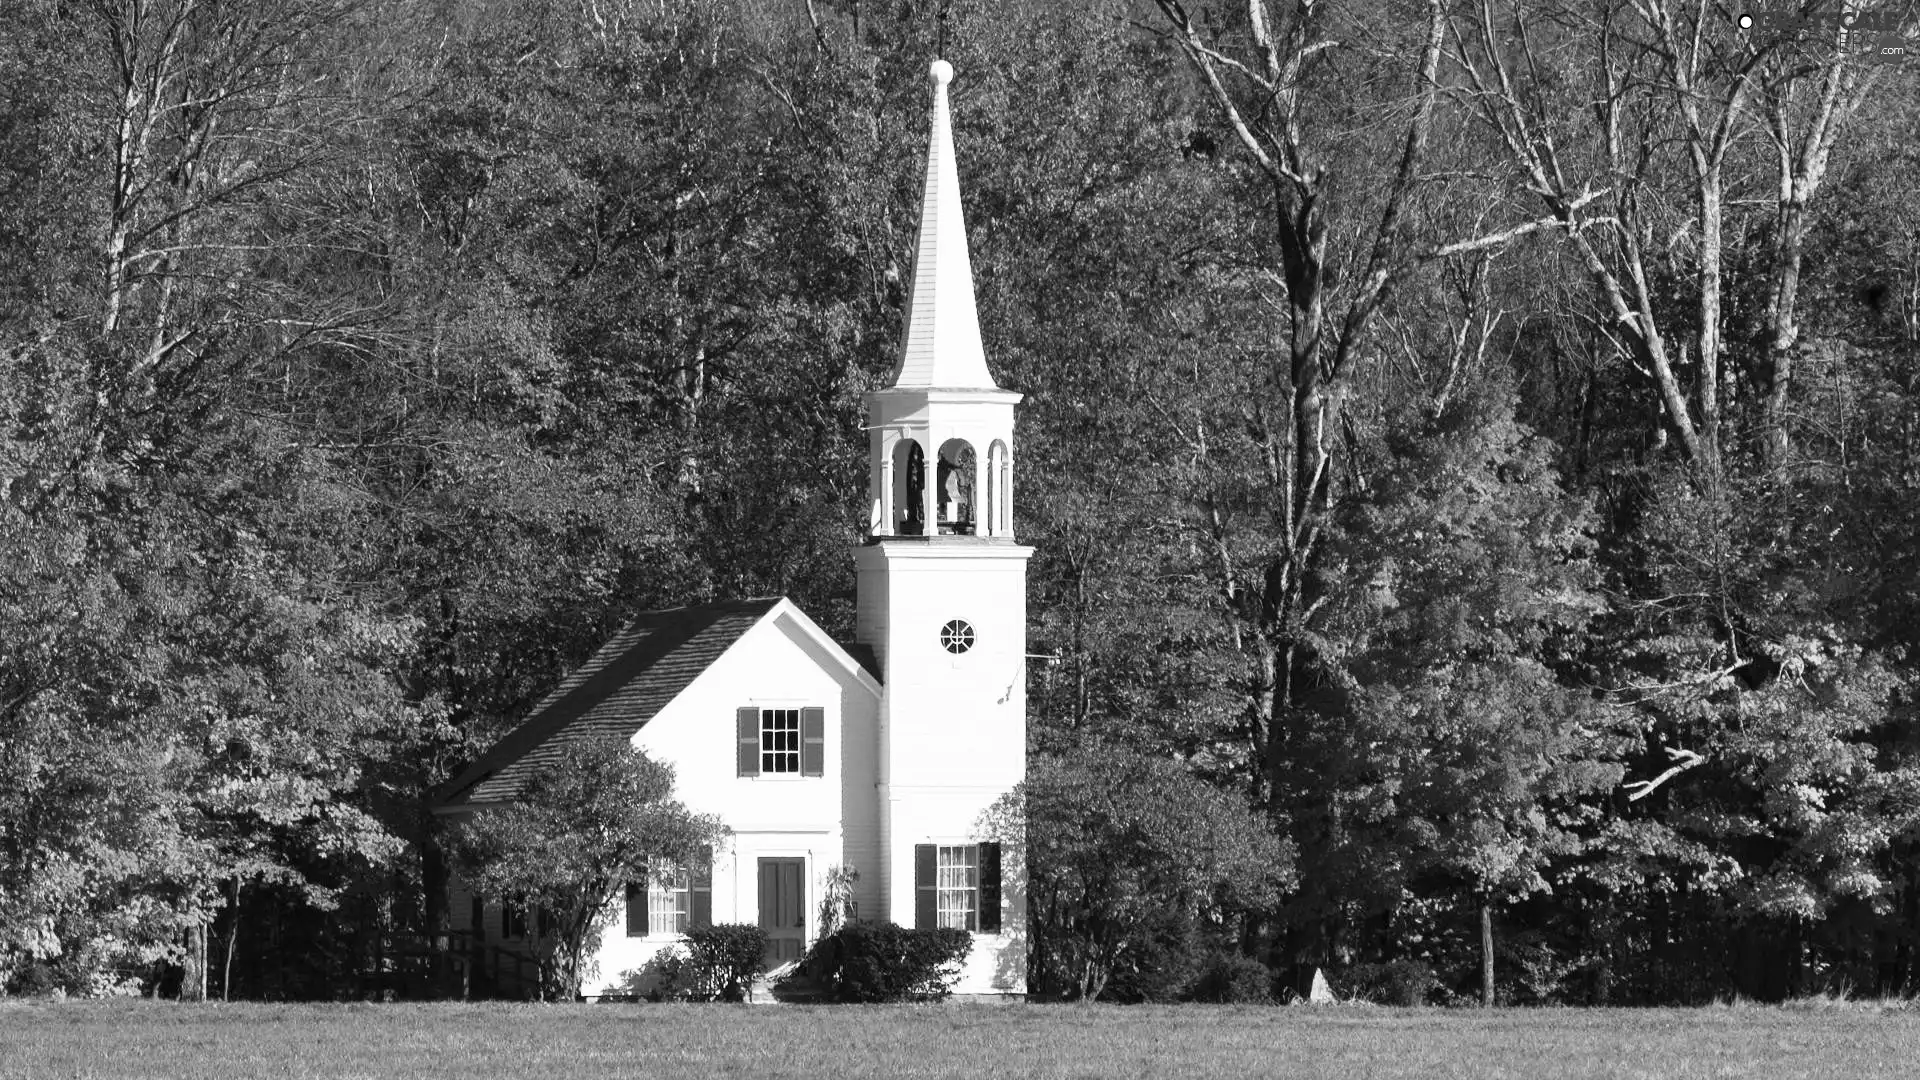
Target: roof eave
[(838, 652)]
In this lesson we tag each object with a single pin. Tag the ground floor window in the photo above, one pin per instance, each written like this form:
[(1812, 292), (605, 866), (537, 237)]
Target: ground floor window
[(669, 901), (673, 900), (957, 874), (958, 886)]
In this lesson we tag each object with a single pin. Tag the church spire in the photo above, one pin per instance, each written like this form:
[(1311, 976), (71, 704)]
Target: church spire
[(942, 348)]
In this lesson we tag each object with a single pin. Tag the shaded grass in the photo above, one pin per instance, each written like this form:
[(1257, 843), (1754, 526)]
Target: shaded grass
[(114, 1040)]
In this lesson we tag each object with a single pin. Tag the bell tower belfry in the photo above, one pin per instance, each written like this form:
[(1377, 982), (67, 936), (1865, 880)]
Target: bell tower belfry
[(942, 600)]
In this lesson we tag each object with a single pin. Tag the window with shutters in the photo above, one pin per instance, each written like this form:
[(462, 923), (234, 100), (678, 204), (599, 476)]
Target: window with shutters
[(957, 877), (525, 922), (779, 741), (673, 900), (782, 741), (957, 885), (669, 901)]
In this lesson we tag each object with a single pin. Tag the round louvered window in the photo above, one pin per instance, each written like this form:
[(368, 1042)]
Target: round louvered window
[(957, 636)]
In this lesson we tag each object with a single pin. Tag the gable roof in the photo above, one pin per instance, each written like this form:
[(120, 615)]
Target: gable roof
[(624, 684)]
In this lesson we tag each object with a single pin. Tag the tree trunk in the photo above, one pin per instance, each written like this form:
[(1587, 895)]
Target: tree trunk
[(436, 884), (1486, 950), (193, 982), (1311, 377), (1800, 170), (233, 938)]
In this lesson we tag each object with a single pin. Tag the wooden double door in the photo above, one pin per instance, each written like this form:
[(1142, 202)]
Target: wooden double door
[(783, 909)]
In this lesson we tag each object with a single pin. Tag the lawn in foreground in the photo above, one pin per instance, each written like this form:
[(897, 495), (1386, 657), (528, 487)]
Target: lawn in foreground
[(102, 1040)]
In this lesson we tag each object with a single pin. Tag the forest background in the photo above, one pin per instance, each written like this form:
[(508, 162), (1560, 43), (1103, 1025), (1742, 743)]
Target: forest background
[(1472, 444)]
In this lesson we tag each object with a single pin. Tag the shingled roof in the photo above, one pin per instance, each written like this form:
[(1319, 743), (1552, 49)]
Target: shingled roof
[(621, 687)]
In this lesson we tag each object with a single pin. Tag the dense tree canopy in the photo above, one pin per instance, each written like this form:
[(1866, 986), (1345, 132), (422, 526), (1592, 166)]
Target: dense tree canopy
[(598, 818), (1472, 448)]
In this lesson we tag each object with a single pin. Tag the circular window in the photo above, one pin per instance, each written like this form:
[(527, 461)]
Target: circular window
[(957, 636)]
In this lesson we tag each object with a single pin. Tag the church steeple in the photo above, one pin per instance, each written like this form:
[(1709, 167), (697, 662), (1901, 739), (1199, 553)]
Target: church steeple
[(942, 590), (942, 446), (942, 346)]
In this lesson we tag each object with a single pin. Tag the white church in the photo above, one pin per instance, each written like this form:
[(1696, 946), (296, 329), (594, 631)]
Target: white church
[(881, 756)]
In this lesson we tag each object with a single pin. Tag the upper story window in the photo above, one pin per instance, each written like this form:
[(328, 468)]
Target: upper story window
[(779, 741), (782, 741)]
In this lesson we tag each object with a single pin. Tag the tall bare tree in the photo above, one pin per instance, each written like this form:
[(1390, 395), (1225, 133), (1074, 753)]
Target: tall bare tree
[(205, 106), (1339, 257), (1634, 126)]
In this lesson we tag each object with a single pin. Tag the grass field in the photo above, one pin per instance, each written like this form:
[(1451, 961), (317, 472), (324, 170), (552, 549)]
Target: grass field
[(100, 1040)]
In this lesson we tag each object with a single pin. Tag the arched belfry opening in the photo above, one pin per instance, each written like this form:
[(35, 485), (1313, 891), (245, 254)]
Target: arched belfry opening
[(958, 480), (908, 507), (997, 480)]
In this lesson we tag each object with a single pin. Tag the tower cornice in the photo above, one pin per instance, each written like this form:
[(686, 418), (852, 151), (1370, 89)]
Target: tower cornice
[(945, 395)]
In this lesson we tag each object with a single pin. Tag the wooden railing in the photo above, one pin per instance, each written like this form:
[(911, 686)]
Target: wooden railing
[(408, 966)]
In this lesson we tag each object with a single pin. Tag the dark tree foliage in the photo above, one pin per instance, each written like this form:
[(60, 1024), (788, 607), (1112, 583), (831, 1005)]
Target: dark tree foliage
[(1473, 452)]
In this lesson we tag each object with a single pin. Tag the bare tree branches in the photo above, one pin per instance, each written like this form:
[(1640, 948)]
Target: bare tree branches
[(1256, 86), (1682, 761), (1674, 83)]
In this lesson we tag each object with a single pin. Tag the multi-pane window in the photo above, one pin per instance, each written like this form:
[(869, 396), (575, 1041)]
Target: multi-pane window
[(958, 886), (782, 741), (957, 877), (672, 900), (524, 922), (779, 740), (669, 901)]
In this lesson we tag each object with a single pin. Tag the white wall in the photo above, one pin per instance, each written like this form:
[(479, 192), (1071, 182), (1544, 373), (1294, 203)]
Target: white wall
[(997, 964), (956, 742), (953, 729), (777, 664)]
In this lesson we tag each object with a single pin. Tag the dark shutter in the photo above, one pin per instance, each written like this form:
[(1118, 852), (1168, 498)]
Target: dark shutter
[(746, 722), (477, 918), (813, 742), (989, 888), (926, 892), (636, 909), (700, 877)]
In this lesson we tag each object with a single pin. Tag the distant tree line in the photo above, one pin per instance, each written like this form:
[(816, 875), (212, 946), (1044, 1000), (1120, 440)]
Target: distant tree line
[(1473, 451)]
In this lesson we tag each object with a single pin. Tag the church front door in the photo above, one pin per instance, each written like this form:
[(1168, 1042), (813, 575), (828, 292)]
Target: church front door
[(783, 909)]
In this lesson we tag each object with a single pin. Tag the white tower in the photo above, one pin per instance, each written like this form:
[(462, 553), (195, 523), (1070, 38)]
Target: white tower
[(942, 601)]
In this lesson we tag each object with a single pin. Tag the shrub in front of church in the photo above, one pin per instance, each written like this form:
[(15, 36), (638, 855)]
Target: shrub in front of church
[(1229, 978), (669, 975), (1396, 982), (723, 960), (875, 962)]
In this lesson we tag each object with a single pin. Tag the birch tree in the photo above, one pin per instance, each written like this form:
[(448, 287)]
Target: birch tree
[(1339, 255), (204, 106), (1637, 127)]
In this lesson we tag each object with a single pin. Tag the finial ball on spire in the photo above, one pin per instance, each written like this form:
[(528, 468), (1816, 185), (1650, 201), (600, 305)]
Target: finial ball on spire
[(942, 73)]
